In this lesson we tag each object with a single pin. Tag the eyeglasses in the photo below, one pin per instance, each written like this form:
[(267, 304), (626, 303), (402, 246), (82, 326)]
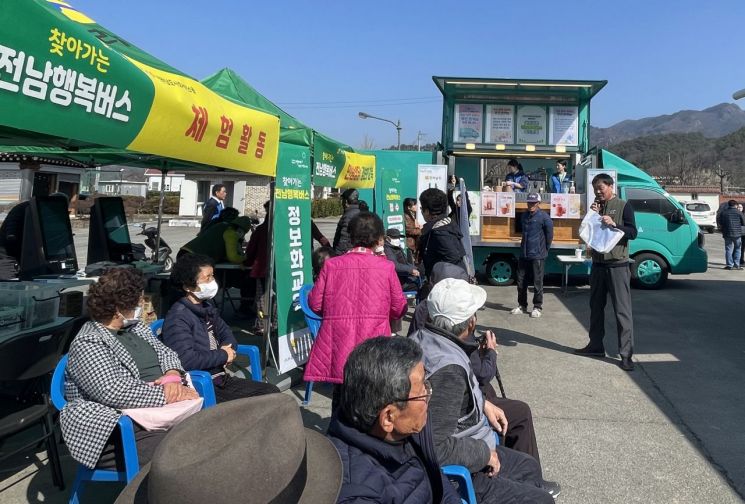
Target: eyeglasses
[(426, 397)]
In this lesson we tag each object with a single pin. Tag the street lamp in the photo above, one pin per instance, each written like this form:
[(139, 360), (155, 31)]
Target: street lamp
[(397, 124), (738, 94)]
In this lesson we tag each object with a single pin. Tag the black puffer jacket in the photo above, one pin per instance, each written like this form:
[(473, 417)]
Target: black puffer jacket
[(342, 241), (731, 222), (376, 471), (441, 242)]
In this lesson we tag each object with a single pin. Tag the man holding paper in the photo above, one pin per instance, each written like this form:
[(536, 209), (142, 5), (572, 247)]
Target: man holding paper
[(611, 275)]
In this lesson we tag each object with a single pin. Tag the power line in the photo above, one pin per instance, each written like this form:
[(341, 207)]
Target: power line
[(358, 105), (354, 102)]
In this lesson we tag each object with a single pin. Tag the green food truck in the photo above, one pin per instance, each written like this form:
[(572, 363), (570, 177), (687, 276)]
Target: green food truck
[(542, 123)]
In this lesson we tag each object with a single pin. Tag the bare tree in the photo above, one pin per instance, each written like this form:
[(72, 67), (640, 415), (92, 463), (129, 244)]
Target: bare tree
[(368, 143), (722, 174)]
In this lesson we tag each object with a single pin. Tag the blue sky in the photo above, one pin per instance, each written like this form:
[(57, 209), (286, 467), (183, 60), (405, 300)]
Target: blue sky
[(324, 62)]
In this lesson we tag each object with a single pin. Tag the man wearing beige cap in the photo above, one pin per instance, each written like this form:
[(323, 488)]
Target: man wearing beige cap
[(463, 424)]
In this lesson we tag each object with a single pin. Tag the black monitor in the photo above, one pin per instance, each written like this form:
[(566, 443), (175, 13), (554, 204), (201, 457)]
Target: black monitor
[(108, 237), (48, 247)]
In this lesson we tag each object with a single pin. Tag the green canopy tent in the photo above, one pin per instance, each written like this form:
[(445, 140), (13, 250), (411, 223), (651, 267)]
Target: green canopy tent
[(66, 81), (94, 98), (229, 84)]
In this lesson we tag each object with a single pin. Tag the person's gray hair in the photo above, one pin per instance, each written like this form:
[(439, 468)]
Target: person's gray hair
[(377, 374), (446, 324)]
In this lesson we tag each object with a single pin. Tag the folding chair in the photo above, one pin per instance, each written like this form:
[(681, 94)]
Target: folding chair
[(27, 359), (313, 320), (202, 383)]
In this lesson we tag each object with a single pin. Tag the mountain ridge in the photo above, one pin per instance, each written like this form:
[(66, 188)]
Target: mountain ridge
[(713, 122)]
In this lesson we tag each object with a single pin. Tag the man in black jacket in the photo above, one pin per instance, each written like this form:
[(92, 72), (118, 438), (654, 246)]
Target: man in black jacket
[(350, 204), (441, 237), (380, 428), (214, 206), (463, 423), (537, 235), (731, 221)]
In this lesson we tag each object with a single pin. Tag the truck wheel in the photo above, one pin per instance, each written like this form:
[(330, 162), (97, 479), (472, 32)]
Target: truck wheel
[(500, 271), (649, 271)]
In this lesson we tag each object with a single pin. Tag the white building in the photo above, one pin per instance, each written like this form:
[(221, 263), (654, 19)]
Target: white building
[(247, 193), (704, 194), (172, 183)]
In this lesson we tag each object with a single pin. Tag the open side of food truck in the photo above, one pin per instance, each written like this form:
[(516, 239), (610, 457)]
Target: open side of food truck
[(542, 123)]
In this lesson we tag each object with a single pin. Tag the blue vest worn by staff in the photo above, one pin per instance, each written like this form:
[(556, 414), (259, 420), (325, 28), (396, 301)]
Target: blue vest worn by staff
[(438, 353)]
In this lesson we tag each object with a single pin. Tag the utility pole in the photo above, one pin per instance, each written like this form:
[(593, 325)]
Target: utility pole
[(419, 137)]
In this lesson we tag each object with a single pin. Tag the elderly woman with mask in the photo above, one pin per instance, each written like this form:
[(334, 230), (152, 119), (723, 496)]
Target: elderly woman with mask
[(116, 363), (194, 329)]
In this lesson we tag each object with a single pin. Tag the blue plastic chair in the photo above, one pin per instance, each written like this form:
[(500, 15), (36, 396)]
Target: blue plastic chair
[(250, 351), (313, 321), (462, 477), (157, 327), (202, 383)]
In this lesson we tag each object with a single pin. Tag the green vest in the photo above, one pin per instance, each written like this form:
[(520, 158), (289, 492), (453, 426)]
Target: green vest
[(614, 209)]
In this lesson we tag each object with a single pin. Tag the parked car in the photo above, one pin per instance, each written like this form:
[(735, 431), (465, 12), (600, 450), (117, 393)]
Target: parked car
[(702, 214)]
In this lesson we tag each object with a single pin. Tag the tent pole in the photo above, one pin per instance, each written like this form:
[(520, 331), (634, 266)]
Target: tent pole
[(270, 277), (163, 171)]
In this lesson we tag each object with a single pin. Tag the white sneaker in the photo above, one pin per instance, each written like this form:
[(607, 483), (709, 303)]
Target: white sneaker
[(517, 311), (536, 313)]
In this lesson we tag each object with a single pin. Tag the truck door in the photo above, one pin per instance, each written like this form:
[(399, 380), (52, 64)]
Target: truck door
[(657, 233)]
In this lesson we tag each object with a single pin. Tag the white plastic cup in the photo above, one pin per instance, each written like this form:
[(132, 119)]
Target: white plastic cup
[(578, 253)]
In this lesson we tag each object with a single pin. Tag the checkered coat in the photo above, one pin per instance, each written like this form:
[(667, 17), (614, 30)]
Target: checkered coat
[(101, 379)]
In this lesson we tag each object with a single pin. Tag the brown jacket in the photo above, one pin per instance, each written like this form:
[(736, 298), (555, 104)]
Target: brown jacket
[(412, 232)]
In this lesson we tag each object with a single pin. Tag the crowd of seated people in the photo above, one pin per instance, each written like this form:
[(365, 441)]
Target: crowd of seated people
[(402, 407)]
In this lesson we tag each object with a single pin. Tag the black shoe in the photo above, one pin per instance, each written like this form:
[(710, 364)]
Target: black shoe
[(728, 267), (552, 487), (627, 364), (589, 351)]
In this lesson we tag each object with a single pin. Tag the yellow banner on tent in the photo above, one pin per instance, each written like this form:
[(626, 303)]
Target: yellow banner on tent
[(358, 172), (189, 121)]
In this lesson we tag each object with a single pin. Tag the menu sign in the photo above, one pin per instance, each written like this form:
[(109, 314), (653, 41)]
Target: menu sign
[(468, 122), (505, 204), (565, 206), (564, 126), (531, 125), (500, 124), (488, 203)]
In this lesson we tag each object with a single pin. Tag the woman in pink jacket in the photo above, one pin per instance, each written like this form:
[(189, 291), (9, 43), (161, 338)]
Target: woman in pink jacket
[(357, 294)]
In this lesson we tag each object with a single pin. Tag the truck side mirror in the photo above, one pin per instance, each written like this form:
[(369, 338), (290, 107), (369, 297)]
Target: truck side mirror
[(677, 217)]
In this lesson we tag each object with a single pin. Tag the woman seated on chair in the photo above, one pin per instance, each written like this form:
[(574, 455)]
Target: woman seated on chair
[(115, 363), (357, 294), (194, 330)]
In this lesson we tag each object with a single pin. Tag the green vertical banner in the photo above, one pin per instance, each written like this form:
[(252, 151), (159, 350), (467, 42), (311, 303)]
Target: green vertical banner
[(391, 202), (329, 160), (292, 253)]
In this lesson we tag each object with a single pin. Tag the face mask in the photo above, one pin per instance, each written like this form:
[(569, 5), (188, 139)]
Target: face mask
[(129, 322), (396, 242), (379, 250), (206, 290)]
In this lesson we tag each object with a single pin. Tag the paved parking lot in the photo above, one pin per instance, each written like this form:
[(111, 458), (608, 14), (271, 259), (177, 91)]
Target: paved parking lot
[(671, 431)]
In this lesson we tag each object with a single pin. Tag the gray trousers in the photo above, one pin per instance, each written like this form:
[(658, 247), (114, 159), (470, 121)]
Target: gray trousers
[(616, 282)]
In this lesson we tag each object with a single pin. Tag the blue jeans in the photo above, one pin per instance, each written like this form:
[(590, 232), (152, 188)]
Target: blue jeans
[(732, 250)]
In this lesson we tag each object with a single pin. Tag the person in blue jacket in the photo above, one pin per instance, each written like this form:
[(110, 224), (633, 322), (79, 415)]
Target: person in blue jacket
[(561, 180), (194, 329), (516, 178), (537, 234)]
